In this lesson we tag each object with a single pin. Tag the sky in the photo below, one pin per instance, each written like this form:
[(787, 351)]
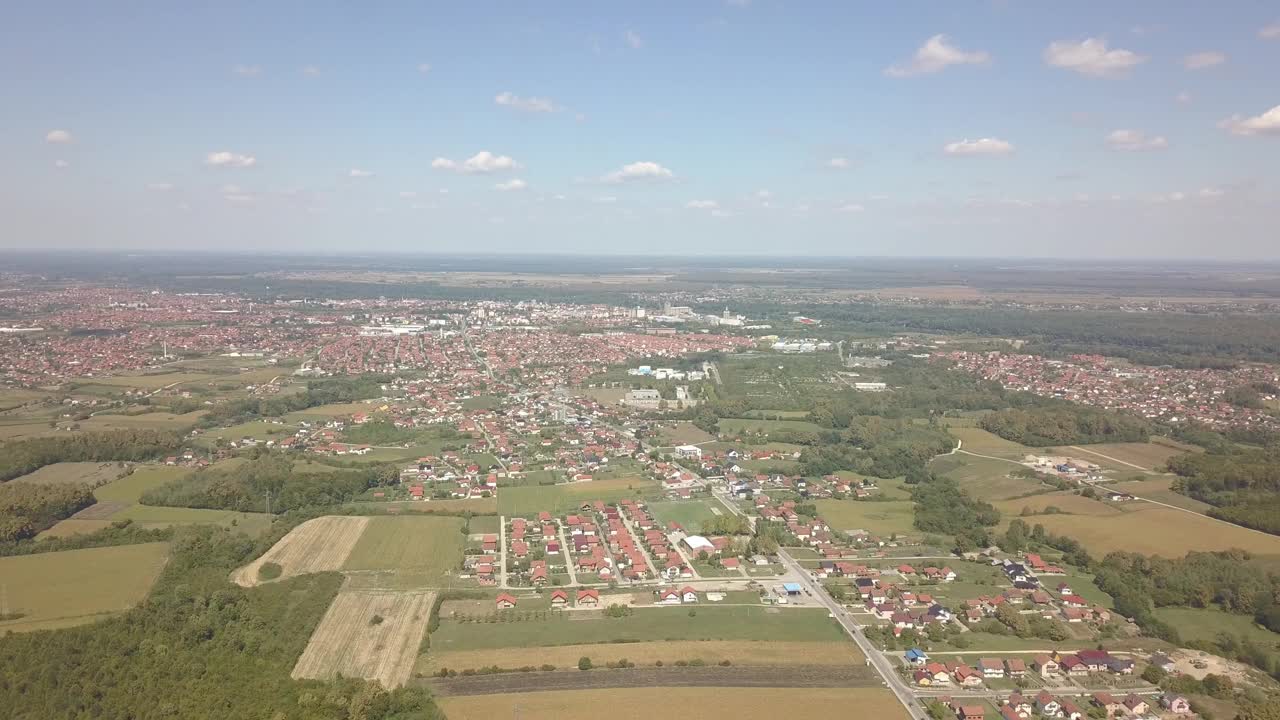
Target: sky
[(700, 127)]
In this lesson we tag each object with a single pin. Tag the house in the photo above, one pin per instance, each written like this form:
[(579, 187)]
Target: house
[(1020, 704), (1070, 710), (921, 678), (1175, 703), (1074, 666), (589, 598), (967, 676), (1046, 704), (1108, 704), (1120, 665), (939, 673), (668, 596), (559, 599), (1009, 712), (1162, 661), (916, 656), (970, 712), (506, 602), (688, 595), (1015, 667), (991, 667), (1135, 705)]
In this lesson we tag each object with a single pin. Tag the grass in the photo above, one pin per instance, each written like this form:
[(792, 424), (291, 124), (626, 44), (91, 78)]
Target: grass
[(985, 443), (694, 702), (153, 381), (643, 625), (1146, 455), (252, 524), (879, 517), (1157, 489), (73, 587), (984, 478), (732, 426), (738, 652), (86, 473), (689, 513), (145, 421), (143, 478), (686, 434), (258, 430), (481, 402), (427, 548), (529, 500), (1207, 624)]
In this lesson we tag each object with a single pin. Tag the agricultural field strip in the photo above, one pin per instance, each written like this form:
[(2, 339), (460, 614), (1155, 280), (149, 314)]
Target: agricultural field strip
[(316, 545), (350, 641), (794, 676)]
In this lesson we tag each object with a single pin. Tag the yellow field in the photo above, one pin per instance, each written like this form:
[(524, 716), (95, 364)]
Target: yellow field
[(316, 545), (1145, 455), (1153, 530), (72, 526), (86, 473), (708, 703), (739, 652), (73, 587), (142, 479), (351, 641), (1157, 489), (982, 442), (150, 382), (1066, 502), (146, 421)]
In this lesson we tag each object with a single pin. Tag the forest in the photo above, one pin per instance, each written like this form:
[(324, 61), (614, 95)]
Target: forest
[(318, 392), (1065, 424), (1242, 483), (20, 457), (941, 506), (26, 508), (245, 487), (199, 648)]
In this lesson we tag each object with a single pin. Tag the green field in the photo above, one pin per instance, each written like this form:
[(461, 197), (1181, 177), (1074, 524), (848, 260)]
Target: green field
[(145, 421), (984, 478), (72, 587), (258, 430), (530, 500), (252, 524), (427, 549), (143, 478), (689, 513), (977, 440), (879, 517), (481, 402), (733, 426), (1206, 625), (86, 473), (645, 624)]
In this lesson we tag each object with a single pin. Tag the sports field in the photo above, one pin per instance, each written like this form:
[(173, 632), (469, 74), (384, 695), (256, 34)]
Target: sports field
[(711, 652), (72, 587), (529, 500), (879, 517), (644, 624), (689, 513), (700, 702), (427, 548)]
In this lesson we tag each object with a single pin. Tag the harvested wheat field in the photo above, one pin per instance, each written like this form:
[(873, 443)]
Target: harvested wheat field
[(369, 634), (316, 545)]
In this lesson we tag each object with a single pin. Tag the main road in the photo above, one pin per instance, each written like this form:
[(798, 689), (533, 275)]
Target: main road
[(876, 658)]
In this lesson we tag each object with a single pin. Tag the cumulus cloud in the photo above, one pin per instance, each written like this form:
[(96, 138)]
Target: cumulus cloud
[(311, 71), (1270, 32), (1202, 60), (934, 55), (702, 205), (633, 40), (1091, 57), (1268, 123), (850, 208), (358, 173), (638, 171), (1211, 192), (61, 164), (424, 68), (482, 163), (230, 159), (513, 184), (1183, 97), (58, 137), (247, 70), (981, 146), (160, 187), (529, 104), (838, 163), (1135, 141)]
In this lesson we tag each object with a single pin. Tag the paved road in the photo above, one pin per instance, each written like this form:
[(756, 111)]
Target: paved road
[(502, 551), (877, 659)]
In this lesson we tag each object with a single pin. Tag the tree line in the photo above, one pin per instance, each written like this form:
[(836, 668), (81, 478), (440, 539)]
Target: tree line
[(20, 457), (1241, 483), (28, 508), (1065, 424)]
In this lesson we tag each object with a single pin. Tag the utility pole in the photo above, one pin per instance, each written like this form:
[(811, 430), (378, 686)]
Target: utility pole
[(268, 501)]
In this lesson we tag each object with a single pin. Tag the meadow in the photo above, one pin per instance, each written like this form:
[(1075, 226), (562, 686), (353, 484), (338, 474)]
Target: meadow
[(143, 421), (694, 702), (980, 441), (644, 624), (1206, 625), (252, 524), (689, 513), (734, 426), (879, 517), (84, 473), (1146, 455), (72, 587), (143, 478), (984, 478), (529, 500), (426, 548)]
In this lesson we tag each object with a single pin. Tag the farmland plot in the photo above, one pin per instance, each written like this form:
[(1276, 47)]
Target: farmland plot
[(368, 634), (314, 546)]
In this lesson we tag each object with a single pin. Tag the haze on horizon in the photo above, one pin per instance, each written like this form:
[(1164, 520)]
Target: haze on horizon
[(738, 127)]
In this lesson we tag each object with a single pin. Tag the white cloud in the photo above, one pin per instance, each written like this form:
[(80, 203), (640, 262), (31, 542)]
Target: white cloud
[(935, 55), (235, 193), (513, 184), (851, 208), (1183, 97), (424, 68), (737, 3), (702, 205), (58, 137), (230, 159), (634, 41), (160, 187), (61, 164), (1091, 57), (1201, 60), (358, 173), (311, 71), (529, 104), (1270, 32), (838, 163), (606, 200), (981, 146), (408, 194), (247, 70), (1211, 192), (638, 171), (1135, 140), (483, 162), (1268, 123)]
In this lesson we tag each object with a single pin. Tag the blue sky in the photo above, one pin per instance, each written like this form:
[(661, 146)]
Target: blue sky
[(699, 127)]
